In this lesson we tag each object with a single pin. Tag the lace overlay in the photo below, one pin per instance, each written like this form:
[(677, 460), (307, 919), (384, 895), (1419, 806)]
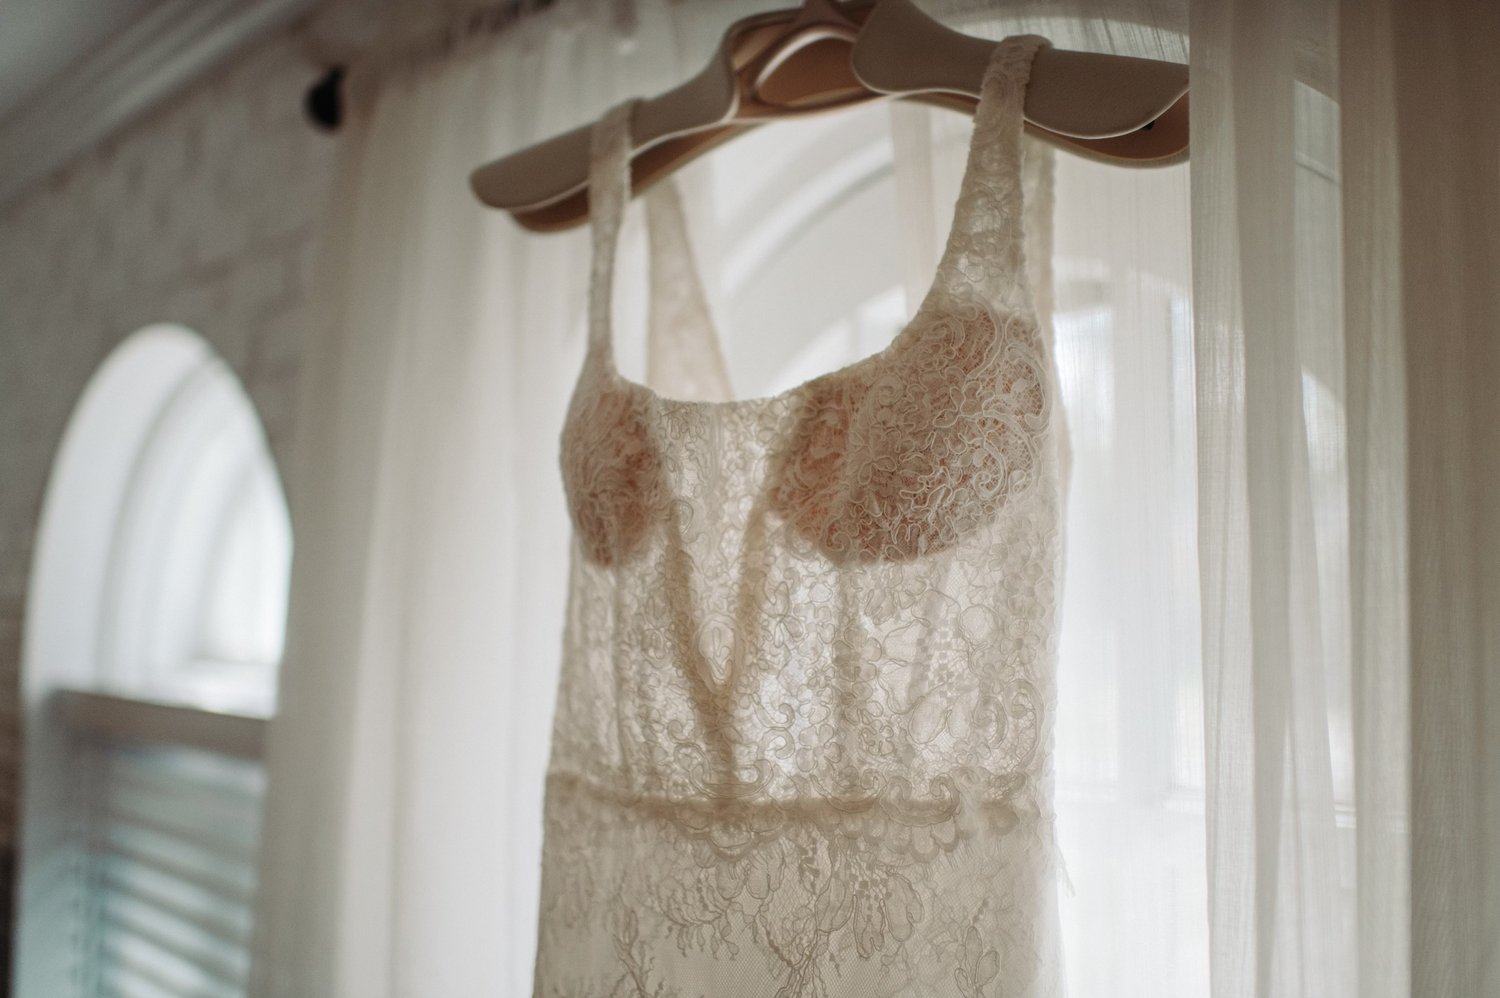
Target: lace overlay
[(803, 736)]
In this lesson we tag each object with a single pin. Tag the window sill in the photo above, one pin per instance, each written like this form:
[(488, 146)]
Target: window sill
[(104, 715)]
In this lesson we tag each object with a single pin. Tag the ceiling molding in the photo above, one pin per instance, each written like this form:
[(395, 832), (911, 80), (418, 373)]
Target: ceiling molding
[(156, 56)]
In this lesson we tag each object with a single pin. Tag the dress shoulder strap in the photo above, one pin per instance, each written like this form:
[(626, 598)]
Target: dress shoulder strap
[(683, 354), (985, 253), (609, 189)]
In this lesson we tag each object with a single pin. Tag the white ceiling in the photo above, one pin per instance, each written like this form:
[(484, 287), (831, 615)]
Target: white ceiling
[(73, 71), (40, 40)]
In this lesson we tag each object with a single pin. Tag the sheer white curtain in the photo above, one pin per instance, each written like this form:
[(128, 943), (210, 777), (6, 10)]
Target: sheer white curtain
[(1346, 242), (1239, 394)]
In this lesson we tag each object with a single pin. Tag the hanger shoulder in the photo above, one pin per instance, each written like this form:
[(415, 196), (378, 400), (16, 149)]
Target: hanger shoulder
[(1074, 95), (1085, 95), (557, 168)]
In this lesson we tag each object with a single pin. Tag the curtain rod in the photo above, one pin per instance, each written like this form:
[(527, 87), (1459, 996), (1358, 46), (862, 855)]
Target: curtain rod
[(406, 36)]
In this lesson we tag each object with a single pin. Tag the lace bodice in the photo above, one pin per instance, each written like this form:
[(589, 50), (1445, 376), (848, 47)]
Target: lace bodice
[(802, 742)]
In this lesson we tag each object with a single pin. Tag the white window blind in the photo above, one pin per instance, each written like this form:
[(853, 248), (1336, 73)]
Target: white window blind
[(170, 869)]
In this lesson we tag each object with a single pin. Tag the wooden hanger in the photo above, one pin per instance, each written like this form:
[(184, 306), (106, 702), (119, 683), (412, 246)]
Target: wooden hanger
[(827, 55)]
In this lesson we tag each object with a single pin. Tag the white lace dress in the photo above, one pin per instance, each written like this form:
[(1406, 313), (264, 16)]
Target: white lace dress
[(803, 737)]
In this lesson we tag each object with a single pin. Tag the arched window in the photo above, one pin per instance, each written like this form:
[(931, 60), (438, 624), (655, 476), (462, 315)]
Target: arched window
[(155, 621), (196, 585)]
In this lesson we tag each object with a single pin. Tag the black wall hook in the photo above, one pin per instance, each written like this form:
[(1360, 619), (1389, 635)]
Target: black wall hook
[(325, 100)]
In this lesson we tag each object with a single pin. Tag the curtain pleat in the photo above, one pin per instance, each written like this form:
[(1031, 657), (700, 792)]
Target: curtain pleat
[(1273, 851), (1378, 562), (1447, 133)]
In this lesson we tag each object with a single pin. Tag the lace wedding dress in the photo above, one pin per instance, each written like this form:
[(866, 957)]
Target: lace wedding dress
[(803, 737)]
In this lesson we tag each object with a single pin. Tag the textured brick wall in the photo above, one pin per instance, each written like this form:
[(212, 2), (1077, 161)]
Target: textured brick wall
[(206, 212)]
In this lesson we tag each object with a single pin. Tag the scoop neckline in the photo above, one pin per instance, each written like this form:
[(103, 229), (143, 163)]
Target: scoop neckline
[(771, 401), (776, 399)]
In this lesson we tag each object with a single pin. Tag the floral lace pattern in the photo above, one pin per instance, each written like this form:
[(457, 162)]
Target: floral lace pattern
[(803, 735)]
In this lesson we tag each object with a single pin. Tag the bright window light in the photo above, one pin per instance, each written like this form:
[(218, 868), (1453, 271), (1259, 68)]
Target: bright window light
[(195, 606)]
